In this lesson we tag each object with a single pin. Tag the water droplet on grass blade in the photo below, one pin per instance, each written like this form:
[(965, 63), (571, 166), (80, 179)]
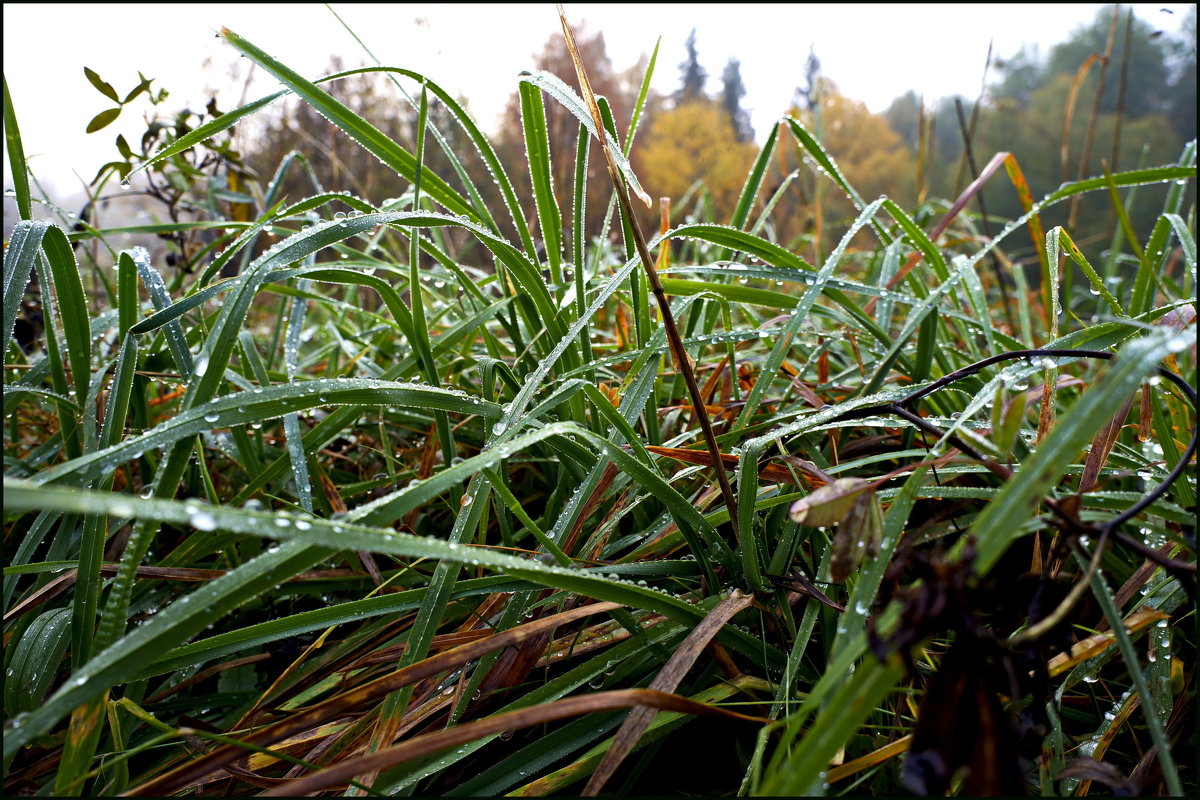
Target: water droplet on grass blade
[(203, 521)]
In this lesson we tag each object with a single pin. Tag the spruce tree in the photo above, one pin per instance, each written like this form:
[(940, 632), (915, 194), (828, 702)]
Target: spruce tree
[(694, 75), (732, 91)]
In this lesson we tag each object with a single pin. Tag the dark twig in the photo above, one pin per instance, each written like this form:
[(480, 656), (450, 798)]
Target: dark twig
[(1067, 519)]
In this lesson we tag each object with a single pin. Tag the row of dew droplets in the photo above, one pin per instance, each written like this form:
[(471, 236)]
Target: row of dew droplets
[(295, 246), (521, 401), (157, 289), (292, 341)]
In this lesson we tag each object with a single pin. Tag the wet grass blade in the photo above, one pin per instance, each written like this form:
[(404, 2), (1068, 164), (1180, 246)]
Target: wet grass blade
[(537, 152), (1162, 747), (993, 528), (354, 126), (16, 160), (19, 257), (750, 188), (72, 307)]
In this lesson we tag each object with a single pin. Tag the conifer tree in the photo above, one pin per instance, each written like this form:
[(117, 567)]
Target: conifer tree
[(732, 91), (694, 75)]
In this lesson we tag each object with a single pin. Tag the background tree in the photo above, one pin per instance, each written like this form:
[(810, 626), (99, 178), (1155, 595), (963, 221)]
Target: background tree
[(1034, 137), (1024, 107), (904, 115), (732, 91), (619, 88), (1018, 77), (872, 156), (806, 95), (1181, 64), (1153, 129), (694, 75), (1147, 87), (693, 142)]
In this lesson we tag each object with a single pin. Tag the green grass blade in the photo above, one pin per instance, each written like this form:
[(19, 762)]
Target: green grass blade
[(68, 419), (91, 546), (1162, 746), (993, 528), (537, 151), (554, 86), (1095, 280), (802, 773), (749, 193), (291, 421), (35, 660), (128, 303), (19, 259), (16, 160), (1187, 242), (354, 126), (643, 92), (157, 289)]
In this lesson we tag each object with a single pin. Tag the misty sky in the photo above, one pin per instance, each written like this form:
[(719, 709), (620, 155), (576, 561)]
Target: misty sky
[(872, 52)]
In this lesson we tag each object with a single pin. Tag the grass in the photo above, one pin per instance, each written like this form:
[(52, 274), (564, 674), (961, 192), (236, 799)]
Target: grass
[(373, 517)]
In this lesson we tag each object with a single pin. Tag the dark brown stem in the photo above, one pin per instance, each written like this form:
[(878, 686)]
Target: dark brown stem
[(683, 364)]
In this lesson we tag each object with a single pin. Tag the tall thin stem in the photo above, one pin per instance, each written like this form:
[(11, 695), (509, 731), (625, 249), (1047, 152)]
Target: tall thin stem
[(683, 364)]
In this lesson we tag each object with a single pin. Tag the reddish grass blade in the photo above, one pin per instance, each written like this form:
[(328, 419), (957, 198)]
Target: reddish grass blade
[(430, 743), (667, 680), (188, 774)]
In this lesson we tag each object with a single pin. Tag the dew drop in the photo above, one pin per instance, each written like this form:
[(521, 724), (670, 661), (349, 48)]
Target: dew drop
[(203, 521)]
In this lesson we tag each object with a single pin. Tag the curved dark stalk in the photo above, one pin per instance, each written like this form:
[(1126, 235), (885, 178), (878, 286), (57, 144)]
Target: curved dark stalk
[(901, 408), (683, 364)]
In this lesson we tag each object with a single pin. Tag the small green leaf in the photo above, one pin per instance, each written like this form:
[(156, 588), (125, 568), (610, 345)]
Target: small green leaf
[(999, 398), (101, 86), (120, 167), (1006, 435), (144, 86), (124, 148), (36, 660), (103, 119)]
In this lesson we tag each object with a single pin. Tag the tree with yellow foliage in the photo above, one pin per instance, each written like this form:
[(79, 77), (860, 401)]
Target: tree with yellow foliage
[(695, 141), (870, 154), (872, 157)]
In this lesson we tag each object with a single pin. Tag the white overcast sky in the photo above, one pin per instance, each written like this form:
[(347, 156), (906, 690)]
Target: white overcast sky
[(873, 52)]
